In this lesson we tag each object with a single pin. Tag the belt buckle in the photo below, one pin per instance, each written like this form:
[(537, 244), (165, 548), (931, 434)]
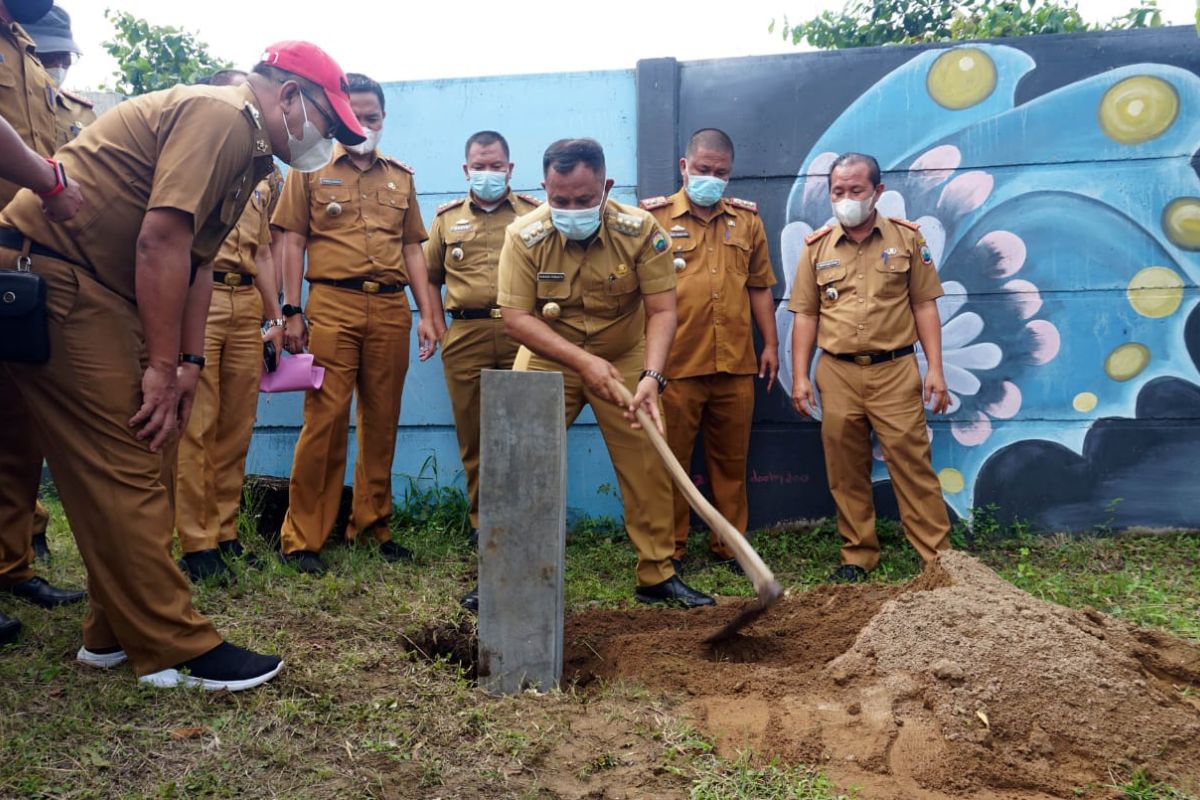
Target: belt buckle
[(495, 313), (232, 279), (863, 360), (370, 287)]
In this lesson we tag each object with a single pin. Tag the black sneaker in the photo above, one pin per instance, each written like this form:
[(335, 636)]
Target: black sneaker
[(305, 561), (226, 667), (470, 601), (394, 551), (205, 565), (673, 592), (10, 627), (233, 550), (848, 573), (41, 549)]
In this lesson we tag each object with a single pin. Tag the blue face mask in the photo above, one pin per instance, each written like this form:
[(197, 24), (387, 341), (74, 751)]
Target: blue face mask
[(705, 190), (488, 186), (577, 224)]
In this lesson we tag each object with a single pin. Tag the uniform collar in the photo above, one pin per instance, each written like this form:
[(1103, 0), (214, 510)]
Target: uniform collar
[(340, 152), (508, 198), (21, 36), (681, 204), (882, 224)]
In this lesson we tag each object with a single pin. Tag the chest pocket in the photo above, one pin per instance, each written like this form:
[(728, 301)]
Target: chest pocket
[(827, 279), (333, 207), (736, 251), (459, 249), (549, 288), (891, 277), (8, 74), (686, 248), (620, 293), (232, 206), (393, 205)]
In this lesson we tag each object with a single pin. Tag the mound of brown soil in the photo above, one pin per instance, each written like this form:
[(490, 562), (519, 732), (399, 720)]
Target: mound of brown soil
[(958, 685)]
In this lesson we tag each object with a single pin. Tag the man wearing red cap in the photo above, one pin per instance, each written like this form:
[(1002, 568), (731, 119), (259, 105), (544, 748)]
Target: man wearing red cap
[(128, 286)]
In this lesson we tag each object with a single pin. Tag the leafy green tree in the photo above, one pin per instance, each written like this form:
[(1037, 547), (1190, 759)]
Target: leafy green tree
[(153, 57), (867, 23)]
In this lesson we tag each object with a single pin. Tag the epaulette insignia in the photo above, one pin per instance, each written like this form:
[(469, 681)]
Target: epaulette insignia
[(651, 203), (528, 198), (406, 167), (535, 232), (818, 234), (83, 101), (451, 204), (628, 224), (749, 205), (916, 226)]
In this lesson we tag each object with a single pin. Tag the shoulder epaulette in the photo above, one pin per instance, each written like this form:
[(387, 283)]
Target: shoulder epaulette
[(406, 167), (444, 207), (83, 101), (528, 198), (818, 234), (916, 226), (628, 224), (651, 203), (749, 205), (535, 232)]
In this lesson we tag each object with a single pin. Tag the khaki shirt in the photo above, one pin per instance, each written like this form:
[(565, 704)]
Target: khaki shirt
[(72, 114), (197, 149), (863, 294), (715, 262), (26, 97), (252, 231), (356, 223), (597, 286), (463, 251)]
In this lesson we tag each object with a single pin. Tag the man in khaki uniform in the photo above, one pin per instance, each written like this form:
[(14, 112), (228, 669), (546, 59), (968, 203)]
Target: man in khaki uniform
[(865, 291), (724, 272), (26, 108), (56, 49), (463, 253), (587, 285), (128, 292), (212, 450), (359, 222)]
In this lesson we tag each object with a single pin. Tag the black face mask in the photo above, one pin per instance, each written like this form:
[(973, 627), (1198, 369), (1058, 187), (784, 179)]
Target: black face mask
[(27, 12)]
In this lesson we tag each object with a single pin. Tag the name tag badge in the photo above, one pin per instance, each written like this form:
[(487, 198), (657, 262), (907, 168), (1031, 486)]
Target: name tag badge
[(679, 232), (555, 277), (830, 264), (331, 181), (461, 225)]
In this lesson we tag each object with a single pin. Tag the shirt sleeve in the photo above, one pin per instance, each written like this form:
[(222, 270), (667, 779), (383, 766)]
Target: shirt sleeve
[(655, 267), (517, 281), (804, 298), (414, 226), (923, 281), (762, 274), (293, 210), (435, 253), (264, 212)]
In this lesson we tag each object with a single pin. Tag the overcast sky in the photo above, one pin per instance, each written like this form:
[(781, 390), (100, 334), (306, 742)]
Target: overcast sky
[(437, 39)]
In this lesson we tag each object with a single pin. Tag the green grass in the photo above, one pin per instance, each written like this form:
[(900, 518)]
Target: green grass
[(359, 713)]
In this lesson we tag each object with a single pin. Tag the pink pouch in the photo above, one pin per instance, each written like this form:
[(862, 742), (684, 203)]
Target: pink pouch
[(295, 373)]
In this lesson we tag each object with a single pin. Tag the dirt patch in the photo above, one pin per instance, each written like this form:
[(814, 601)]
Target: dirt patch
[(958, 685)]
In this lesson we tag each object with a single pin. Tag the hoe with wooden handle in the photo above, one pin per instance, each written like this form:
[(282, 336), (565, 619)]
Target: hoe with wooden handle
[(760, 574)]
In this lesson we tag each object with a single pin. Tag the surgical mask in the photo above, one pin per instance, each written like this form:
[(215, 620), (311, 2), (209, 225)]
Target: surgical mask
[(852, 213), (577, 224), (57, 74), (705, 190), (26, 12), (368, 146), (311, 151), (488, 186)]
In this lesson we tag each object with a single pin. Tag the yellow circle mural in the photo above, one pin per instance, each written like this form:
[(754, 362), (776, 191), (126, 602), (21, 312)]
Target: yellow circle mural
[(1085, 402), (1155, 292), (1138, 109), (1127, 361), (961, 77), (1181, 222), (952, 480)]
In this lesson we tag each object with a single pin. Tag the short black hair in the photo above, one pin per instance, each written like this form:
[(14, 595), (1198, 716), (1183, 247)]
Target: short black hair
[(710, 139), (483, 139), (847, 159), (222, 77), (358, 82), (566, 154)]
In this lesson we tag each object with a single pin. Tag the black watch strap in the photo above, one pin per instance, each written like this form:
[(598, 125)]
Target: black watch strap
[(290, 310), (188, 358), (658, 376)]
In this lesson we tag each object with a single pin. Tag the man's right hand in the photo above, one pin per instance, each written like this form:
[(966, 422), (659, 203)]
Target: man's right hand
[(803, 399), (63, 205), (158, 418), (597, 375), (295, 334)]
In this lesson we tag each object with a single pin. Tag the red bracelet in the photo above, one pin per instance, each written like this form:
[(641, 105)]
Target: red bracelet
[(60, 176)]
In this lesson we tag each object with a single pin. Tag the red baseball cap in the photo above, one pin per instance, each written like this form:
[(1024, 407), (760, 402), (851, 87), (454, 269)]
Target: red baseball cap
[(309, 61)]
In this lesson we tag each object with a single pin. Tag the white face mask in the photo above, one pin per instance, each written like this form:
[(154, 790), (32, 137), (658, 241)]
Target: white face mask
[(367, 147), (57, 74), (311, 151), (852, 213)]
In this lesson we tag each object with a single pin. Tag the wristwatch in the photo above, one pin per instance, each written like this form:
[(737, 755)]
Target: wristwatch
[(273, 323), (290, 310), (658, 376), (188, 358)]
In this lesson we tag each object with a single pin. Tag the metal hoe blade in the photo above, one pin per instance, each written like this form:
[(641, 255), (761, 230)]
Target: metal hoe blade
[(767, 597)]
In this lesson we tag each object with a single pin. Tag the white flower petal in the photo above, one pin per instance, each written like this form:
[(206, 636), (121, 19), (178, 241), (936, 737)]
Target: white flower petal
[(984, 355), (952, 301), (961, 330), (791, 243), (960, 381), (966, 193), (936, 165), (891, 204)]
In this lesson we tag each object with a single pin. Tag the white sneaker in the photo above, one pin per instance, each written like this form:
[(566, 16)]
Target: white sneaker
[(101, 660), (173, 678)]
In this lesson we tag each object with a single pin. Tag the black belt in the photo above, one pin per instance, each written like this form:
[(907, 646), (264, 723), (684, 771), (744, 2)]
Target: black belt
[(361, 285), (13, 239), (867, 359), (474, 313), (232, 278)]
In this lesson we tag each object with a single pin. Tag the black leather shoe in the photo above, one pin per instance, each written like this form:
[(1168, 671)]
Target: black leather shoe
[(673, 592), (40, 593), (305, 561), (233, 549), (848, 573), (470, 601), (41, 550), (9, 628), (205, 565), (732, 565), (394, 551), (677, 563)]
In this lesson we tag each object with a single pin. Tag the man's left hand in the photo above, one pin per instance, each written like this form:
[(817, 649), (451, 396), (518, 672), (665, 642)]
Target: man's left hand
[(274, 335), (427, 338), (935, 391), (646, 399), (768, 364)]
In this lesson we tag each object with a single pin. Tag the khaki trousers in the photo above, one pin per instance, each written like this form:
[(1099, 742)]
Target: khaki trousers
[(112, 486), (642, 477), (721, 408), (470, 346), (885, 398), (362, 341), (20, 474), (212, 451)]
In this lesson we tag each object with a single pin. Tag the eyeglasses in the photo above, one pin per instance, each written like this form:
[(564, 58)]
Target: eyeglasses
[(331, 124)]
